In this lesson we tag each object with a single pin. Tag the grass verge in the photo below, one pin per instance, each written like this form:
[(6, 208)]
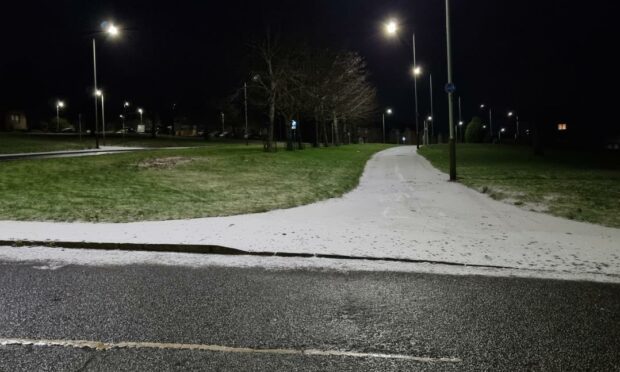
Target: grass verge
[(18, 143), (574, 185), (218, 180)]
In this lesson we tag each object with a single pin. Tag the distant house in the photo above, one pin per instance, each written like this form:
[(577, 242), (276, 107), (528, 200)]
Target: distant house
[(14, 120)]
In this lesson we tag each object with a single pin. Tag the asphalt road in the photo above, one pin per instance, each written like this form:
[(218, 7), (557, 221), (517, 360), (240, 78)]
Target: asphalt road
[(484, 323)]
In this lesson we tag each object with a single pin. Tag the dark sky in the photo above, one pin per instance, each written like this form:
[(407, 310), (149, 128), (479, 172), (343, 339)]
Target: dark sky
[(549, 60)]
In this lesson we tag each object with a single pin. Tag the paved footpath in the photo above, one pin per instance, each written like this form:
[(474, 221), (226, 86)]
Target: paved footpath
[(403, 208)]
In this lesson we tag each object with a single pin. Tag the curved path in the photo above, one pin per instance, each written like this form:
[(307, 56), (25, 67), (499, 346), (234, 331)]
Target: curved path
[(403, 208)]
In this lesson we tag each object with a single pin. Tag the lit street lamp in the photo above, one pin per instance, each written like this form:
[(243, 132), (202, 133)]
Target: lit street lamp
[(59, 105), (389, 112), (140, 111), (482, 107), (500, 134), (99, 93), (511, 114), (113, 31), (391, 30)]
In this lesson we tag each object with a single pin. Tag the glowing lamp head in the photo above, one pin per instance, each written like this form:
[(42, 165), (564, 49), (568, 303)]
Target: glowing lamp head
[(417, 70), (460, 123), (510, 114), (140, 111), (503, 130), (430, 118), (483, 106), (484, 127), (111, 29), (391, 27), (121, 116), (126, 104), (389, 111), (60, 104), (98, 93)]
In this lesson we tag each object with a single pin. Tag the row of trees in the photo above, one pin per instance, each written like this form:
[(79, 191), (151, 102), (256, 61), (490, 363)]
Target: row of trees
[(328, 88)]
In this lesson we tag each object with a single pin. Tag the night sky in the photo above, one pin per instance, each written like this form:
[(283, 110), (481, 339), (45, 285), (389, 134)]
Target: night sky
[(549, 60)]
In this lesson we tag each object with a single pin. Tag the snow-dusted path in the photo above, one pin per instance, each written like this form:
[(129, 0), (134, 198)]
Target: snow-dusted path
[(403, 208)]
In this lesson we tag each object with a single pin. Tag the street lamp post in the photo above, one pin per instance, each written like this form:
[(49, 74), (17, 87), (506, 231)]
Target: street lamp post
[(245, 103), (482, 107), (511, 114), (125, 105), (59, 105), (450, 91), (432, 123), (389, 112), (460, 122), (391, 29), (500, 134), (113, 31), (140, 111)]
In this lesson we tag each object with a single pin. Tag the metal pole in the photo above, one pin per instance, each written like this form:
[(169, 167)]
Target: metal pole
[(95, 94), (103, 117), (450, 103), (383, 127), (460, 121), (517, 126), (415, 92), (432, 122), (80, 126), (222, 115), (57, 119), (491, 121), (245, 97)]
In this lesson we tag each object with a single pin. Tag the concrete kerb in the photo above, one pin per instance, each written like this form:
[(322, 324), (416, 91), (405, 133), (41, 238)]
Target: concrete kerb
[(221, 250)]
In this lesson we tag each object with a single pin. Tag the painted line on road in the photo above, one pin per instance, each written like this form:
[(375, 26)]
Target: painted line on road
[(103, 346)]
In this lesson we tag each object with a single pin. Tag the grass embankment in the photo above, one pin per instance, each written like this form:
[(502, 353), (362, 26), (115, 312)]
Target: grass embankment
[(18, 143), (173, 184), (574, 185)]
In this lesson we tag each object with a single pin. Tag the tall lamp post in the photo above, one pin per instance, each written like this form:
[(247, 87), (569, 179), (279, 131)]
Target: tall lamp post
[(140, 111), (482, 107), (460, 122), (59, 105), (99, 93), (388, 112), (245, 103), (450, 89), (125, 106), (511, 114), (113, 31), (391, 30)]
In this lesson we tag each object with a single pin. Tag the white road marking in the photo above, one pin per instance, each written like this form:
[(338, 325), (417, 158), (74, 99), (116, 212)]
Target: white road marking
[(102, 346)]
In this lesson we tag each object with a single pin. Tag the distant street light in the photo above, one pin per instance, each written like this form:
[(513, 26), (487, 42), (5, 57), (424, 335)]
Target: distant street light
[(99, 93), (482, 107), (511, 114), (391, 27), (113, 31), (140, 111), (59, 105), (389, 112), (391, 30), (500, 133)]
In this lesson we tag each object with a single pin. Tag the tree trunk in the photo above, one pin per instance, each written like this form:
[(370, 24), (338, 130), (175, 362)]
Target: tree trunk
[(272, 117), (316, 131), (336, 138), (325, 138)]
